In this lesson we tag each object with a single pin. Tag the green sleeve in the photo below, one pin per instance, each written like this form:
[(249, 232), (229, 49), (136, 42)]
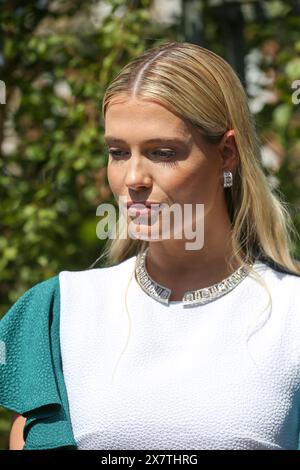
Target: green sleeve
[(31, 375)]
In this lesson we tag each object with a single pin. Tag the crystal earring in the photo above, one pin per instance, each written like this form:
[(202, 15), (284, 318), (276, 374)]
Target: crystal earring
[(227, 179)]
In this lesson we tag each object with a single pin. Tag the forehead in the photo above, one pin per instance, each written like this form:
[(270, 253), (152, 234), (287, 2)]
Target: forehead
[(126, 115)]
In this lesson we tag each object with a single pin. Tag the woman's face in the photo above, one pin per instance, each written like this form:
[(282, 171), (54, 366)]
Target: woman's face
[(154, 155)]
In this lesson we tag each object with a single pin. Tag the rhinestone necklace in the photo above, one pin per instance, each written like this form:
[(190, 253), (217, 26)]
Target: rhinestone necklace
[(193, 297)]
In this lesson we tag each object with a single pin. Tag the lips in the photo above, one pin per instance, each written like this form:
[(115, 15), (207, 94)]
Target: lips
[(143, 208)]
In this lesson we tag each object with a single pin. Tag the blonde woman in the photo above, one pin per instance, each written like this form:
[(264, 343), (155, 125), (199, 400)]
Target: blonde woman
[(169, 345)]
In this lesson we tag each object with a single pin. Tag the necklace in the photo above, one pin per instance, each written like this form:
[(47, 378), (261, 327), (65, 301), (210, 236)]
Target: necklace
[(193, 297)]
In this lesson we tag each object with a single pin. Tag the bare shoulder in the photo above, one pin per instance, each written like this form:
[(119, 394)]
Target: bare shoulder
[(16, 441)]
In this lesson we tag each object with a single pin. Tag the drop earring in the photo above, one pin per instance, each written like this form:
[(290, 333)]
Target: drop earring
[(227, 179)]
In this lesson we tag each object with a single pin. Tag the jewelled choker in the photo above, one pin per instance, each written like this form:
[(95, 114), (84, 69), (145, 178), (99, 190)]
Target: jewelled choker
[(193, 297)]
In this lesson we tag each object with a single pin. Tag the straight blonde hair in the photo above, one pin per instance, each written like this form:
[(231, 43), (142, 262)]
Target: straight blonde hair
[(202, 88)]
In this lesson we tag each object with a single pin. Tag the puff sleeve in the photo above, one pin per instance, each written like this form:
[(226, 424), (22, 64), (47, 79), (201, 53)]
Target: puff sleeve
[(31, 375)]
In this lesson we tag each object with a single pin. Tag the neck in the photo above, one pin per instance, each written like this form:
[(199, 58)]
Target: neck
[(169, 263)]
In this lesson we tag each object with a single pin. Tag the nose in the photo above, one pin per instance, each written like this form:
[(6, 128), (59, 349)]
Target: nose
[(137, 175)]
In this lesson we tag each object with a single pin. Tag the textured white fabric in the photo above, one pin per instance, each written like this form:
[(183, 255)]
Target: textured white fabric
[(188, 379)]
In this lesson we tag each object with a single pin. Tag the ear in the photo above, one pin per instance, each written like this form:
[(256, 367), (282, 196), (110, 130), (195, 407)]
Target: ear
[(228, 151)]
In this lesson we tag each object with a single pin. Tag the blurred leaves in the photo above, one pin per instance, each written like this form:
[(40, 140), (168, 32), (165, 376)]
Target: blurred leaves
[(271, 38), (56, 58), (278, 40)]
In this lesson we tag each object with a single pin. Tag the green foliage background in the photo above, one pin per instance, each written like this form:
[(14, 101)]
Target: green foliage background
[(56, 65)]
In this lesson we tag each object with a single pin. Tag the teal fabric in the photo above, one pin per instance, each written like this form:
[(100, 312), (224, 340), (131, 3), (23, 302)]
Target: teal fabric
[(31, 376)]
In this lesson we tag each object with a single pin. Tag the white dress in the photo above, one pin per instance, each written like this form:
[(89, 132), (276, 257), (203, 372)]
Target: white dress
[(188, 378)]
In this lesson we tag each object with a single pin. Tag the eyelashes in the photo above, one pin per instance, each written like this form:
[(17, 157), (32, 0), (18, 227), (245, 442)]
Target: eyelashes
[(166, 156)]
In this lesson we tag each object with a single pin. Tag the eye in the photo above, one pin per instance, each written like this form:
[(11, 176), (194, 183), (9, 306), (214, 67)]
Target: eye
[(165, 156), (168, 154), (116, 153)]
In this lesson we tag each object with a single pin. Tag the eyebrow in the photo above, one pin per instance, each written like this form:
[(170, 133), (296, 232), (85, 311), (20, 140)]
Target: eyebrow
[(163, 140)]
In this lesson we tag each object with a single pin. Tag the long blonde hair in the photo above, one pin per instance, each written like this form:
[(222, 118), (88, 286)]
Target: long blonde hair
[(202, 88)]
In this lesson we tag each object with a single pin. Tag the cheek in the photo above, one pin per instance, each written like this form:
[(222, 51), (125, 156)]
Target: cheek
[(184, 183), (114, 179), (193, 185)]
